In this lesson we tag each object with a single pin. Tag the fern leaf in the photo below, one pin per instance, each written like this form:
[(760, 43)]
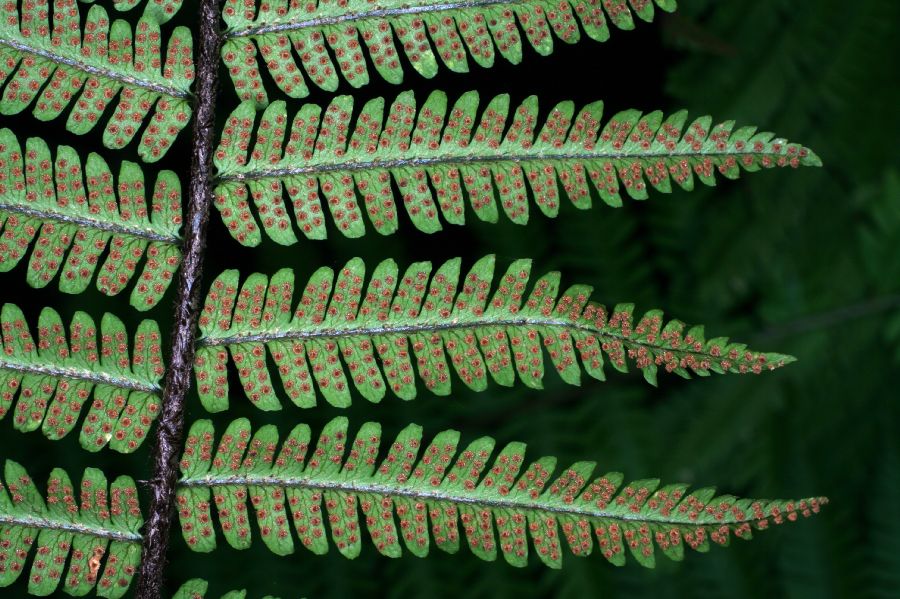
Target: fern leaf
[(358, 29), (500, 333), (327, 486), (196, 589), (97, 536), (75, 222), (440, 154), (49, 64), (54, 378)]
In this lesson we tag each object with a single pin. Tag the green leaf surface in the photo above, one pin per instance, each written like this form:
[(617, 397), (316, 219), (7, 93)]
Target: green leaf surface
[(447, 160), (426, 324), (83, 539), (412, 495), (53, 64), (46, 384), (157, 10), (330, 36), (71, 212)]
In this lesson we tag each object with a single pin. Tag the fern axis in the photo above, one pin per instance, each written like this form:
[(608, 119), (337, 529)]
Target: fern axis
[(170, 429)]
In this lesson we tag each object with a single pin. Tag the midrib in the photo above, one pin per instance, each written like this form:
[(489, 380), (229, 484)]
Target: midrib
[(78, 374), (356, 487), (276, 26), (22, 46), (70, 527), (99, 225), (449, 159), (432, 327)]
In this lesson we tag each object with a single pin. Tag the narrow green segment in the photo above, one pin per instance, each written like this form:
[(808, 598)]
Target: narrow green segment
[(313, 41), (71, 212), (424, 324), (196, 589), (449, 160), (83, 538), (155, 10), (412, 494), (52, 65), (47, 383)]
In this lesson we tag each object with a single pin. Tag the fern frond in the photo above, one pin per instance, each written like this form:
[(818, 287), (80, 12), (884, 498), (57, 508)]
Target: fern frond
[(52, 63), (429, 495), (74, 222), (335, 324), (94, 529), (196, 589), (355, 30), (439, 154), (54, 378)]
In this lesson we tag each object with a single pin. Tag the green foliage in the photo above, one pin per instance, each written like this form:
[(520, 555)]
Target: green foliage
[(74, 222), (84, 539), (196, 589), (442, 157), (732, 266), (54, 378), (444, 315), (356, 29), (104, 62), (431, 495)]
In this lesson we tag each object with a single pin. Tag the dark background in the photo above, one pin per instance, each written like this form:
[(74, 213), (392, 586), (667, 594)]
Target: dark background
[(802, 262)]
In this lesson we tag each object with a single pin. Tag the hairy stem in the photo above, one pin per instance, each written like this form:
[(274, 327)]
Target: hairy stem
[(169, 431)]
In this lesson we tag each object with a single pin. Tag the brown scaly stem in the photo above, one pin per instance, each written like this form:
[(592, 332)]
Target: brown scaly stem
[(170, 429)]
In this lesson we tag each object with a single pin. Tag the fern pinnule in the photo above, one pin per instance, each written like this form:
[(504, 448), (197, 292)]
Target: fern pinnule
[(356, 29), (431, 489), (336, 333), (49, 64), (75, 211), (439, 154), (157, 10), (50, 381), (84, 538), (196, 589)]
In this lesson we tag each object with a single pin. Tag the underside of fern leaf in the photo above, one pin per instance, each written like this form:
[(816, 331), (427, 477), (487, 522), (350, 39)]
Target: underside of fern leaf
[(74, 222), (504, 333), (430, 490), (83, 538), (51, 381), (442, 157), (55, 65), (291, 35)]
